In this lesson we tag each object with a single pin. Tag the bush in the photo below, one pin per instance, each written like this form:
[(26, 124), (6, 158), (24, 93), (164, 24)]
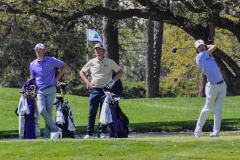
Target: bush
[(130, 89), (133, 90)]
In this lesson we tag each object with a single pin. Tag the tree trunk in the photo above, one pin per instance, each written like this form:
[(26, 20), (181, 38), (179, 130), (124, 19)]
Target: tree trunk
[(110, 33), (149, 59), (203, 82), (158, 36)]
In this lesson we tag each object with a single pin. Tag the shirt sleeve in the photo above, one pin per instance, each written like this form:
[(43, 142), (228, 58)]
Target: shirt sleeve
[(87, 66), (201, 57), (57, 63), (115, 67)]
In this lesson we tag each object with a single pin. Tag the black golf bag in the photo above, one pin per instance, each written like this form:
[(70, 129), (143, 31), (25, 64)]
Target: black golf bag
[(64, 118)]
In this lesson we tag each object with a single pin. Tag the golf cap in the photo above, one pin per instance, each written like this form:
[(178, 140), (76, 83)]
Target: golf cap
[(198, 43), (40, 45), (99, 45)]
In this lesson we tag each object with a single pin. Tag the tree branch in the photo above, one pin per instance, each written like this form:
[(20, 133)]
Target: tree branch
[(230, 11)]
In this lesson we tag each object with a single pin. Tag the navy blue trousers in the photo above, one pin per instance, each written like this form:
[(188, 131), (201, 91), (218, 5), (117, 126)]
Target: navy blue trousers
[(95, 100)]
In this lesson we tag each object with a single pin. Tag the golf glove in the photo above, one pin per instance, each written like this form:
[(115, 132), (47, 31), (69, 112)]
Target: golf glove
[(58, 84), (109, 86)]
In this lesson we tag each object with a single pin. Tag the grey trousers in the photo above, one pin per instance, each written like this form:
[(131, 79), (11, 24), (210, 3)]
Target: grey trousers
[(45, 101), (215, 94)]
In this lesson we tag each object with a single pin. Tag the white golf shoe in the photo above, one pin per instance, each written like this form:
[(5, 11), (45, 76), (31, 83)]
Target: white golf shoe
[(102, 135), (214, 134), (198, 132), (87, 136)]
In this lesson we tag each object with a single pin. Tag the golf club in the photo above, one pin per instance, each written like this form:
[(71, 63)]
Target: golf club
[(174, 49)]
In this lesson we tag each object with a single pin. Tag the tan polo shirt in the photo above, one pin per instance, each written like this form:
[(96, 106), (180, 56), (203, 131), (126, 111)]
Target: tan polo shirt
[(101, 71)]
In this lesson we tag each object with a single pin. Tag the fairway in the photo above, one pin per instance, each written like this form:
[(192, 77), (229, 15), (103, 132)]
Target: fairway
[(143, 147), (146, 115)]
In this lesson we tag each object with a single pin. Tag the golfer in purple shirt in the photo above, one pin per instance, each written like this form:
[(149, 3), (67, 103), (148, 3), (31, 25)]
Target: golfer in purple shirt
[(215, 88), (43, 69)]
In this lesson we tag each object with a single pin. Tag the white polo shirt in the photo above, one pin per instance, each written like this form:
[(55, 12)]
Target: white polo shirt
[(101, 71)]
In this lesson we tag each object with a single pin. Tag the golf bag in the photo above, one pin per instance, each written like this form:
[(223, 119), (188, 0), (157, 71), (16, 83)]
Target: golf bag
[(64, 118), (119, 126), (29, 128)]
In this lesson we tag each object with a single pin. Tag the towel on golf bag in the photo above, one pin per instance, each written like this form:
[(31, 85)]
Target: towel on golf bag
[(105, 115), (24, 112), (60, 118), (23, 106)]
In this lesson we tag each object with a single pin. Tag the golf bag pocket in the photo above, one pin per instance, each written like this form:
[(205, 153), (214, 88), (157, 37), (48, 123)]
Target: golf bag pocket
[(37, 129), (21, 125), (105, 115)]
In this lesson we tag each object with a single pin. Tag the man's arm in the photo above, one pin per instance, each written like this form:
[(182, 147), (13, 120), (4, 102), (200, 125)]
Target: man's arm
[(64, 68), (118, 76), (84, 77), (211, 48)]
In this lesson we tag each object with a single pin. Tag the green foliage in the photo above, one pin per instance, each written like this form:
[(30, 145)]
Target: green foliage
[(132, 49), (75, 86), (133, 90), (228, 43), (19, 38), (184, 75)]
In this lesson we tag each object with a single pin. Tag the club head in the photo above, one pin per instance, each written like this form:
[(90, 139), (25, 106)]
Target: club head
[(174, 49)]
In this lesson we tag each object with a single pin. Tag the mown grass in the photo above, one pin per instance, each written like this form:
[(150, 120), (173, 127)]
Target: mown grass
[(145, 115), (149, 147)]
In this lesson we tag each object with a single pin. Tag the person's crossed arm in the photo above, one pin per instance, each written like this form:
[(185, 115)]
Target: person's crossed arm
[(117, 77)]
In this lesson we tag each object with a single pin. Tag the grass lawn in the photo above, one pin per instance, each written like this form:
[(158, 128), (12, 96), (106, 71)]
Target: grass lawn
[(147, 147), (145, 115)]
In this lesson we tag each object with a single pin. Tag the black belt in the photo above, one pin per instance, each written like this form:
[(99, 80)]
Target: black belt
[(217, 83), (49, 86)]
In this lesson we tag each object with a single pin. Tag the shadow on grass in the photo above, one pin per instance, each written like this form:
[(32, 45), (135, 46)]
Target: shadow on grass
[(173, 126)]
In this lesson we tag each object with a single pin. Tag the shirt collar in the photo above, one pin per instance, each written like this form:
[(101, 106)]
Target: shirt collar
[(104, 59), (45, 58)]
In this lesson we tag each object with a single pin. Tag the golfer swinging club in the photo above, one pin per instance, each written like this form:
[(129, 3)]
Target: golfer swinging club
[(215, 88), (101, 69), (43, 69)]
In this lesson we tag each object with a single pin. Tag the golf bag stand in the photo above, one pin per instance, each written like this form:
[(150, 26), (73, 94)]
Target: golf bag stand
[(28, 129)]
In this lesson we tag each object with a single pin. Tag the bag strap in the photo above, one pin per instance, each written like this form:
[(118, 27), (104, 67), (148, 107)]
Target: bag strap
[(16, 112)]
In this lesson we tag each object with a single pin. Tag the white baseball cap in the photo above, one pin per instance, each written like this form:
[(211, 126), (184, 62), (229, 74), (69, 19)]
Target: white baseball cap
[(198, 43), (39, 45), (99, 45)]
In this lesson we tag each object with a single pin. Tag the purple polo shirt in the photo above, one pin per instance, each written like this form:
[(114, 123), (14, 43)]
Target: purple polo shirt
[(209, 67), (44, 71)]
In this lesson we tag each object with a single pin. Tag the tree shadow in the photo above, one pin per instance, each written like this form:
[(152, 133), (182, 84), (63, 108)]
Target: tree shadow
[(173, 126)]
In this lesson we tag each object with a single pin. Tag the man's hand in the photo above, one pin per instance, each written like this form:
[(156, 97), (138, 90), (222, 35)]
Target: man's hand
[(90, 85), (109, 86), (58, 84)]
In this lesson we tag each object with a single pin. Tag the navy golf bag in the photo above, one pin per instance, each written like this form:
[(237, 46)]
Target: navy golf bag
[(115, 119), (119, 127), (28, 128), (64, 118)]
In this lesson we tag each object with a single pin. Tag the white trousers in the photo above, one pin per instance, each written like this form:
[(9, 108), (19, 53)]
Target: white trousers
[(214, 94)]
